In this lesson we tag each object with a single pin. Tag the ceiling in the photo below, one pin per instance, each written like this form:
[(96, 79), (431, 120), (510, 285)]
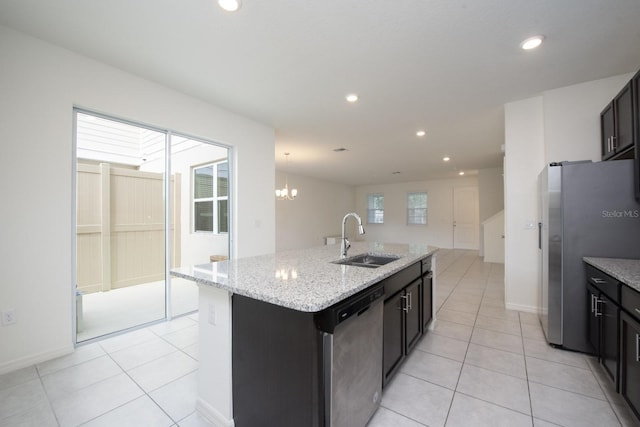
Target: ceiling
[(445, 66)]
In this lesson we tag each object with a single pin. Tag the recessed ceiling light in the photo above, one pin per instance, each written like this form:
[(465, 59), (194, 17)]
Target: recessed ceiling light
[(229, 5), (461, 173), (532, 42), (352, 97), (339, 150), (446, 159), (421, 133)]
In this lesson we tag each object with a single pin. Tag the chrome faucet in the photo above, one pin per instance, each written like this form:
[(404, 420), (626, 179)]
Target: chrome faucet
[(344, 242)]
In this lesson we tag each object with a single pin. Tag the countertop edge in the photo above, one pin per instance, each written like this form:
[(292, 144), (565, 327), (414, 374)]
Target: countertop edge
[(269, 296), (627, 271)]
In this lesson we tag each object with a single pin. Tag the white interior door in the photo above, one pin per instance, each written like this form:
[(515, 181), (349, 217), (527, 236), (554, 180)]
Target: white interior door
[(465, 218)]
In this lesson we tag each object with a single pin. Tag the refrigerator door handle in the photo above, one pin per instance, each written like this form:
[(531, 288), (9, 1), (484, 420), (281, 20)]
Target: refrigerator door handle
[(540, 235)]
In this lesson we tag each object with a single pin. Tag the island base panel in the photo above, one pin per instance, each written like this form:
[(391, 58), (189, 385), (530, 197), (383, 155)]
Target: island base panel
[(276, 372)]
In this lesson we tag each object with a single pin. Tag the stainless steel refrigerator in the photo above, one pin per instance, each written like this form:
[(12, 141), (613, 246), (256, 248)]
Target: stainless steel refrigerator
[(585, 209)]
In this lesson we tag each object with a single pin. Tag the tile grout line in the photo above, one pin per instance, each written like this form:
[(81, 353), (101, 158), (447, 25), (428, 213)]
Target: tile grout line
[(603, 389), (55, 416), (126, 403), (123, 371), (403, 415), (49, 400), (145, 393), (467, 349), (526, 373)]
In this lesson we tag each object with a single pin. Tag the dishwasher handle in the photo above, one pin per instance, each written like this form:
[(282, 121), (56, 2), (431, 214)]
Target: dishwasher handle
[(328, 319)]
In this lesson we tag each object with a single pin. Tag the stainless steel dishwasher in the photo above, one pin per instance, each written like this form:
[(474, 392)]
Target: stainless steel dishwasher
[(352, 358)]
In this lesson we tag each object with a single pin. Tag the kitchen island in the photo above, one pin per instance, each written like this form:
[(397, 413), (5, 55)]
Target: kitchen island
[(295, 285)]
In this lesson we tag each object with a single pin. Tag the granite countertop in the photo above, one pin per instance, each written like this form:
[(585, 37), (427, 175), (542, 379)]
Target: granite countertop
[(625, 270), (303, 280)]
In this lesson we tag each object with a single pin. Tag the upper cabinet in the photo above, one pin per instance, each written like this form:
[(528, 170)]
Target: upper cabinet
[(620, 127), (618, 130)]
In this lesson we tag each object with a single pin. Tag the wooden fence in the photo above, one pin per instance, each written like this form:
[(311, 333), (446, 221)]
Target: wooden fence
[(121, 227)]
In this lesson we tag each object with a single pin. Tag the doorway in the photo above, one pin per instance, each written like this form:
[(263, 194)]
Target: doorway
[(465, 218), (136, 219)]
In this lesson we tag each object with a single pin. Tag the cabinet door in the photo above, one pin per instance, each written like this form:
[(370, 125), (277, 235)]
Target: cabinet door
[(393, 338), (609, 338), (607, 129), (594, 320), (623, 108), (630, 362), (413, 304), (427, 298)]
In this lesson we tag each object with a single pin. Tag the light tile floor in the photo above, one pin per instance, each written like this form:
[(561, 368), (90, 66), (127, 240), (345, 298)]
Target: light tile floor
[(481, 365)]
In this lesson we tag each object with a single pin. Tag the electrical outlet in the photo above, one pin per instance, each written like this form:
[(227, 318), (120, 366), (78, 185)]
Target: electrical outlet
[(8, 317)]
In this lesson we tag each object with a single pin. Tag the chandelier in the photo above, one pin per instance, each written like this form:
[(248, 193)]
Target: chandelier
[(284, 193)]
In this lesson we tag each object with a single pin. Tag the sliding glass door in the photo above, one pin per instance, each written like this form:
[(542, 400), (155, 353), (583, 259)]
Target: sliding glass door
[(202, 191), (135, 221)]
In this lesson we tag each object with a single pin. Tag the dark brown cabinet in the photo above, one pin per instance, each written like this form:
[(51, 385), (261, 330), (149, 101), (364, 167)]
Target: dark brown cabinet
[(402, 327), (630, 366), (607, 129), (393, 343), (617, 125), (614, 332), (594, 319), (413, 318), (427, 300), (604, 314), (407, 309), (609, 347), (630, 349)]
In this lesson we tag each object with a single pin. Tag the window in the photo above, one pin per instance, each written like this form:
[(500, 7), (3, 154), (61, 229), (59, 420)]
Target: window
[(211, 198), (375, 209), (417, 208)]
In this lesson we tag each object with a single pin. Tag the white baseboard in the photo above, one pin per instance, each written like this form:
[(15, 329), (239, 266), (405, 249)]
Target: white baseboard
[(212, 414), (525, 308), (27, 361)]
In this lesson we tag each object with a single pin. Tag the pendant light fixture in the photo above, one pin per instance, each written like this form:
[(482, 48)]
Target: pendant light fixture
[(284, 193)]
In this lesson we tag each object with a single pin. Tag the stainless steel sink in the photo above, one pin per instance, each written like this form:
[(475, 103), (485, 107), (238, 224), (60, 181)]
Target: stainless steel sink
[(368, 260)]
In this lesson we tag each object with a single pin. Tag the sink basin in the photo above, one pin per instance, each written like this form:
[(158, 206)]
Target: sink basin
[(368, 260)]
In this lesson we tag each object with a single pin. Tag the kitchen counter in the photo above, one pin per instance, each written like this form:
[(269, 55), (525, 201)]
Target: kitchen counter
[(626, 271), (304, 280)]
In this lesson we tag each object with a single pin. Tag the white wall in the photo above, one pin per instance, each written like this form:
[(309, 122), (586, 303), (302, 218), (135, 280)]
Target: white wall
[(438, 231), (524, 158), (40, 84), (491, 196), (493, 230), (572, 118), (316, 213), (560, 124)]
